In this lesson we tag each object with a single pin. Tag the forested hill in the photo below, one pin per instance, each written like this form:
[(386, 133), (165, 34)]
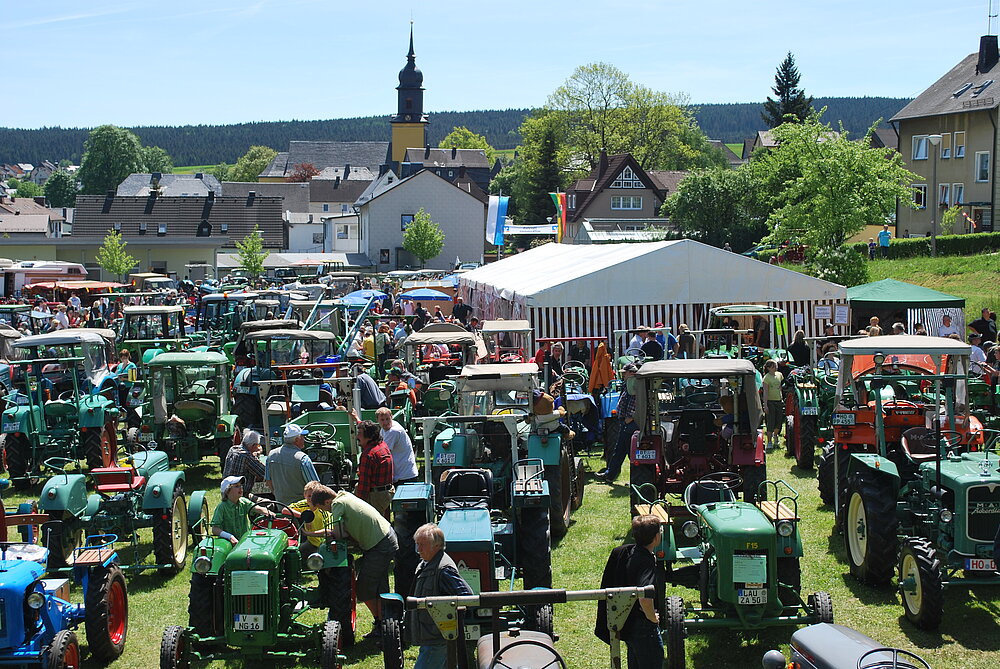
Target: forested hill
[(212, 144)]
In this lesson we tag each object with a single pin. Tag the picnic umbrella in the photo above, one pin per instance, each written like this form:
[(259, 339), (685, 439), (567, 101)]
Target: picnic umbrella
[(426, 294), (366, 295)]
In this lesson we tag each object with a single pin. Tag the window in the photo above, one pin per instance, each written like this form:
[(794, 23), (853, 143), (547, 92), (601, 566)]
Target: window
[(571, 201), (920, 195), (317, 238), (945, 145), (342, 232), (326, 207), (225, 228), (982, 166), (161, 229), (626, 202), (404, 221), (957, 193), (627, 179), (920, 147), (960, 144), (142, 228), (944, 191), (118, 226), (345, 208)]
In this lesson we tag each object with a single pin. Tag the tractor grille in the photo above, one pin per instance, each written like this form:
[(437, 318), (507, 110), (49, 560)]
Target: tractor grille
[(984, 512)]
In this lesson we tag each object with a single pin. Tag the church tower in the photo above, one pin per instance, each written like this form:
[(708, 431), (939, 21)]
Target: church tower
[(409, 125)]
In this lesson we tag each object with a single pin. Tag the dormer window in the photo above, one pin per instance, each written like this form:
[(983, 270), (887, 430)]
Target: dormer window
[(161, 229), (142, 228), (628, 179)]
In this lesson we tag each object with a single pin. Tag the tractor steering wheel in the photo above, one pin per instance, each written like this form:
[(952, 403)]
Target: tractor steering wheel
[(730, 482), (511, 357), (900, 404), (635, 353), (951, 438), (320, 433), (702, 398), (556, 661), (574, 376), (912, 661), (65, 396)]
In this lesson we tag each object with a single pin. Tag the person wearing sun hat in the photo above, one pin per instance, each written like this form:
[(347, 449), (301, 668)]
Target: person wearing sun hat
[(288, 468), (231, 519)]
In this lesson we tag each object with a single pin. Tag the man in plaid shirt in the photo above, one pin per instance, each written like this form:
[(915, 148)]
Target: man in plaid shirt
[(627, 427), (375, 468)]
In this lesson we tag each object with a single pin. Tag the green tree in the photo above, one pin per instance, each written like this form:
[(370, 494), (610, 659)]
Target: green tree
[(25, 188), (252, 163), (252, 254), (221, 172), (717, 206), (156, 159), (462, 138), (60, 189), (537, 169), (422, 237), (792, 100), (112, 256), (823, 188), (110, 154)]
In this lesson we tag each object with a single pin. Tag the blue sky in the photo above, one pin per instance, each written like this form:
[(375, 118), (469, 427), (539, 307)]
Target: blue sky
[(227, 61)]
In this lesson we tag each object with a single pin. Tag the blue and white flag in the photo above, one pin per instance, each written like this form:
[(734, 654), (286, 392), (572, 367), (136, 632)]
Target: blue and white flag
[(496, 216)]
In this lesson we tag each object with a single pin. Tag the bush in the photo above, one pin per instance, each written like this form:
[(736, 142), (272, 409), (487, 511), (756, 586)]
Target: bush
[(947, 245)]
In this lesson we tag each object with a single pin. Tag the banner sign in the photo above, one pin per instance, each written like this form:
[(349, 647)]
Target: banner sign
[(547, 229)]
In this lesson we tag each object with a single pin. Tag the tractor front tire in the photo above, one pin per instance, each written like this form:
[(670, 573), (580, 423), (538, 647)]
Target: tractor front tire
[(93, 446), (392, 643), (753, 476), (342, 602), (329, 645), (560, 478), (405, 524), (611, 428), (205, 605), (107, 613), (825, 475), (534, 550), (539, 619), (806, 453), (870, 529), (793, 423), (132, 443), (789, 582), (173, 654), (639, 476), (170, 534), (822, 605), (579, 481), (63, 652), (673, 625), (62, 542), (247, 411), (924, 604), (18, 455)]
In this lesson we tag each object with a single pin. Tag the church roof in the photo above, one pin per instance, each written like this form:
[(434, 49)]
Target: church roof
[(451, 158)]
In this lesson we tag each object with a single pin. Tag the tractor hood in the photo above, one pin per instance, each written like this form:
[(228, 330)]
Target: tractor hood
[(735, 518), (258, 550), (963, 470)]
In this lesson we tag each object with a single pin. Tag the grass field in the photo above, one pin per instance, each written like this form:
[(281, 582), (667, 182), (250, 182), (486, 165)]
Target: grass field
[(193, 169), (736, 147), (969, 637)]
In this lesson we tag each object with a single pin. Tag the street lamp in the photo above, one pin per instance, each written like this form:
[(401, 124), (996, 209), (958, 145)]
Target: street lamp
[(934, 140)]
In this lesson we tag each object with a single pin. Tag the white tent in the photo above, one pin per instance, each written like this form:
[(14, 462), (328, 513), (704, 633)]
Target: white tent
[(591, 290)]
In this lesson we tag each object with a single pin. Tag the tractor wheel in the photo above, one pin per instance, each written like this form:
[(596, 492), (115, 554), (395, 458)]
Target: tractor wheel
[(96, 443), (824, 475), (405, 523), (675, 633), (107, 613), (611, 428), (204, 527), (247, 411), (132, 443), (822, 605), (63, 652), (204, 605), (789, 583), (62, 542), (560, 478), (753, 476), (392, 644), (641, 476), (3, 450), (806, 453), (18, 455), (539, 619), (920, 584), (793, 423), (870, 529), (172, 651), (329, 645), (170, 534), (340, 597), (579, 481), (534, 551)]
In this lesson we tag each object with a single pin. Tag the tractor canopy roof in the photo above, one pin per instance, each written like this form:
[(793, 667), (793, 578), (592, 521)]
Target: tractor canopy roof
[(231, 297), (703, 368), (142, 310), (746, 310), (7, 332), (513, 376), (904, 344), (441, 333), (15, 307), (492, 327), (68, 337), (271, 324), (184, 358), (304, 335)]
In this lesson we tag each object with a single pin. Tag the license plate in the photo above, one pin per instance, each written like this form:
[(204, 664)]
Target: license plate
[(145, 436), (248, 623), (645, 455), (809, 411), (980, 564), (843, 419), (135, 402), (751, 596), (445, 458), (11, 427), (472, 632)]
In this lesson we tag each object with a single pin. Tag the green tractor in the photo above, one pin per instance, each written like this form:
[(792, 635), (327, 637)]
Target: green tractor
[(187, 413), (219, 316), (247, 600), (727, 323), (144, 493), (929, 502), (150, 329), (745, 561), (425, 356), (809, 400), (64, 403)]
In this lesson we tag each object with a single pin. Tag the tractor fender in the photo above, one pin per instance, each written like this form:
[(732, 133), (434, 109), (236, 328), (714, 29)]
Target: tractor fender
[(548, 449), (229, 421), (65, 492), (19, 416), (873, 463), (748, 450), (216, 549), (93, 504), (147, 463), (392, 605), (149, 354), (159, 492), (242, 384), (194, 508)]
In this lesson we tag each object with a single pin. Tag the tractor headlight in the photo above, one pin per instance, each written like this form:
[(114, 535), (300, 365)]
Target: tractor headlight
[(36, 600), (785, 528), (202, 564), (314, 562), (946, 515), (690, 529)]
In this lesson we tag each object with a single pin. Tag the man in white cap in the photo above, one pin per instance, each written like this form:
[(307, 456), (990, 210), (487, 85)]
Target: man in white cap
[(231, 519), (288, 469)]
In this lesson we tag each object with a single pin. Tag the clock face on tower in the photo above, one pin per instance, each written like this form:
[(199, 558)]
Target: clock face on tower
[(408, 118)]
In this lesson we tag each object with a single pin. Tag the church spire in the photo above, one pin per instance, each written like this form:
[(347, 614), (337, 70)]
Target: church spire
[(409, 123)]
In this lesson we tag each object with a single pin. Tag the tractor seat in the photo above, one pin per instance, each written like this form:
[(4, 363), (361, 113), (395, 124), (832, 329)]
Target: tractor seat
[(198, 405), (697, 421), (705, 492), (117, 479), (465, 488), (919, 445), (60, 409)]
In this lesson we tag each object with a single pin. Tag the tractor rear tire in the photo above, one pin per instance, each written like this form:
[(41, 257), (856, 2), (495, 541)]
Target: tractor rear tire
[(753, 476), (62, 543), (132, 443), (170, 534), (63, 652), (107, 613), (579, 481), (639, 476), (405, 524), (824, 475), (822, 604), (560, 478), (172, 651), (18, 455), (247, 411), (806, 454), (789, 583), (539, 619), (329, 645), (205, 605), (340, 597), (924, 606), (673, 625), (93, 446), (392, 643), (870, 529), (793, 423), (534, 550)]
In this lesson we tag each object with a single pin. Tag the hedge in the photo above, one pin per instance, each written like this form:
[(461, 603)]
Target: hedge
[(947, 245)]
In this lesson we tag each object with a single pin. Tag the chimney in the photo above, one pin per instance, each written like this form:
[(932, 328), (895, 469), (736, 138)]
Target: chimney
[(347, 171), (310, 218), (602, 164), (336, 182), (988, 54), (454, 152), (250, 198), (427, 151), (461, 171)]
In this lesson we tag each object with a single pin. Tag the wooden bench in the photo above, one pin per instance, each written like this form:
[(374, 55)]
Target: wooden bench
[(776, 511), (91, 557), (657, 510)]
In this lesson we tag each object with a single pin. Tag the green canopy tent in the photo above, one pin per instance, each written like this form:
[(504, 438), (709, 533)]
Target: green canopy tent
[(897, 301)]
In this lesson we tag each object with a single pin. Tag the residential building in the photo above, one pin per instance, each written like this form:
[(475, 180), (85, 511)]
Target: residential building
[(169, 185), (29, 219), (323, 155), (42, 172), (948, 136), (731, 158), (448, 163)]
